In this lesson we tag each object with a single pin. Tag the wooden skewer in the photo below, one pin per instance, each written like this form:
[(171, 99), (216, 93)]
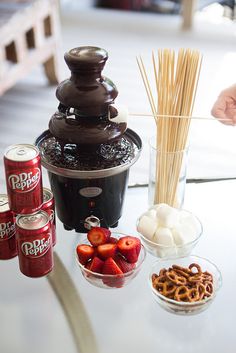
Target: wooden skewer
[(180, 117)]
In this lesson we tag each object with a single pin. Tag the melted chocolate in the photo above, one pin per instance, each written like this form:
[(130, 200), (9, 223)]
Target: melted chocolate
[(93, 157), (85, 99)]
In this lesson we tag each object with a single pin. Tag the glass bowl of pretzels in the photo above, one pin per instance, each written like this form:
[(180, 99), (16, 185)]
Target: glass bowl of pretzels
[(185, 286)]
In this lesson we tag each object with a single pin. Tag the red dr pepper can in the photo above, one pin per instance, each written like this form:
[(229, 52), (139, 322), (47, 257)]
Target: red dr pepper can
[(8, 248), (34, 243), (23, 178), (49, 207)]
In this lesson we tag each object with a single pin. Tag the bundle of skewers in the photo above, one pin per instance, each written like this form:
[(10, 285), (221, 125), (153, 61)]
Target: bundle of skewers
[(171, 102)]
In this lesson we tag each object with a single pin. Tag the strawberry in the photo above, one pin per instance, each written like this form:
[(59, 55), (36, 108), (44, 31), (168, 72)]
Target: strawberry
[(96, 265), (113, 240), (98, 235), (88, 264), (111, 268), (106, 250), (129, 247), (123, 264), (85, 253)]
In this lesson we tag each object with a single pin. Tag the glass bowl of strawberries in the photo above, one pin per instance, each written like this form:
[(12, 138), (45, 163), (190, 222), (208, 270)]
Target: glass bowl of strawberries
[(110, 260)]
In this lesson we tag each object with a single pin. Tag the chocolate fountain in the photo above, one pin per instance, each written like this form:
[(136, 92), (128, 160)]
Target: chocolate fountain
[(88, 148)]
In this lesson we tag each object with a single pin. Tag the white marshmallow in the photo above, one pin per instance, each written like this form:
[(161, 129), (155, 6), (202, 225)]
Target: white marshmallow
[(165, 252), (163, 236), (167, 216), (178, 236), (169, 252), (147, 226), (156, 206), (152, 214), (190, 219), (184, 233), (122, 113)]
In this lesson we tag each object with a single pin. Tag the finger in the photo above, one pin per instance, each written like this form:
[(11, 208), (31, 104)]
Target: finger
[(222, 117), (231, 115), (218, 109), (219, 112)]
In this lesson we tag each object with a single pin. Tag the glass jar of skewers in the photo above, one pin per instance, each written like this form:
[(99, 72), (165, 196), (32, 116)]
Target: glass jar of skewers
[(171, 102), (167, 175)]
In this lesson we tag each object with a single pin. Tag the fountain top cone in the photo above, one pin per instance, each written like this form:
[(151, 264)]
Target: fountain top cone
[(88, 143), (85, 113)]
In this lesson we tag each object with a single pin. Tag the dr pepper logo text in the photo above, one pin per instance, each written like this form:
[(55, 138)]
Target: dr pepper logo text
[(7, 230), (24, 182), (37, 247)]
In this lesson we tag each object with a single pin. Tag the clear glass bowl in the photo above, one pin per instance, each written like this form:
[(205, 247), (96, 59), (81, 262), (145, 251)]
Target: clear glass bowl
[(162, 251), (112, 281), (185, 308)]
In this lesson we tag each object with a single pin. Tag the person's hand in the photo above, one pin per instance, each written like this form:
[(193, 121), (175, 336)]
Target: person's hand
[(224, 108)]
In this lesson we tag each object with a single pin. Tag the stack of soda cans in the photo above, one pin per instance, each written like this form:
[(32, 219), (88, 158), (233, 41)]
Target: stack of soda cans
[(27, 213)]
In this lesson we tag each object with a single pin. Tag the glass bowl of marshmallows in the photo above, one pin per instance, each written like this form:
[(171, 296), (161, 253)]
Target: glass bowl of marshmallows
[(168, 232)]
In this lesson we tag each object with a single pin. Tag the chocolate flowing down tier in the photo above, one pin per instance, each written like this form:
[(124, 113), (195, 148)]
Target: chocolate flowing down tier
[(69, 128), (85, 111)]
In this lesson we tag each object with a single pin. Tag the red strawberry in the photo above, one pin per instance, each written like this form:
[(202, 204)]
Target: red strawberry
[(124, 265), (113, 240), (96, 265), (85, 252), (138, 246), (98, 235), (88, 264), (106, 250), (129, 247), (111, 268)]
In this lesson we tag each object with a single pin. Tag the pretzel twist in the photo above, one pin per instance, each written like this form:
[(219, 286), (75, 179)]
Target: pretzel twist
[(181, 272), (185, 294), (208, 289), (197, 267), (201, 290), (176, 278)]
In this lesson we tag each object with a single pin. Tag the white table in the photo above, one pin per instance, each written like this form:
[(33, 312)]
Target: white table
[(128, 319)]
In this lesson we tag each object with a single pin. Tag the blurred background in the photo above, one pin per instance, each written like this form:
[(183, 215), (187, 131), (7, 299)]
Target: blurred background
[(125, 28)]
